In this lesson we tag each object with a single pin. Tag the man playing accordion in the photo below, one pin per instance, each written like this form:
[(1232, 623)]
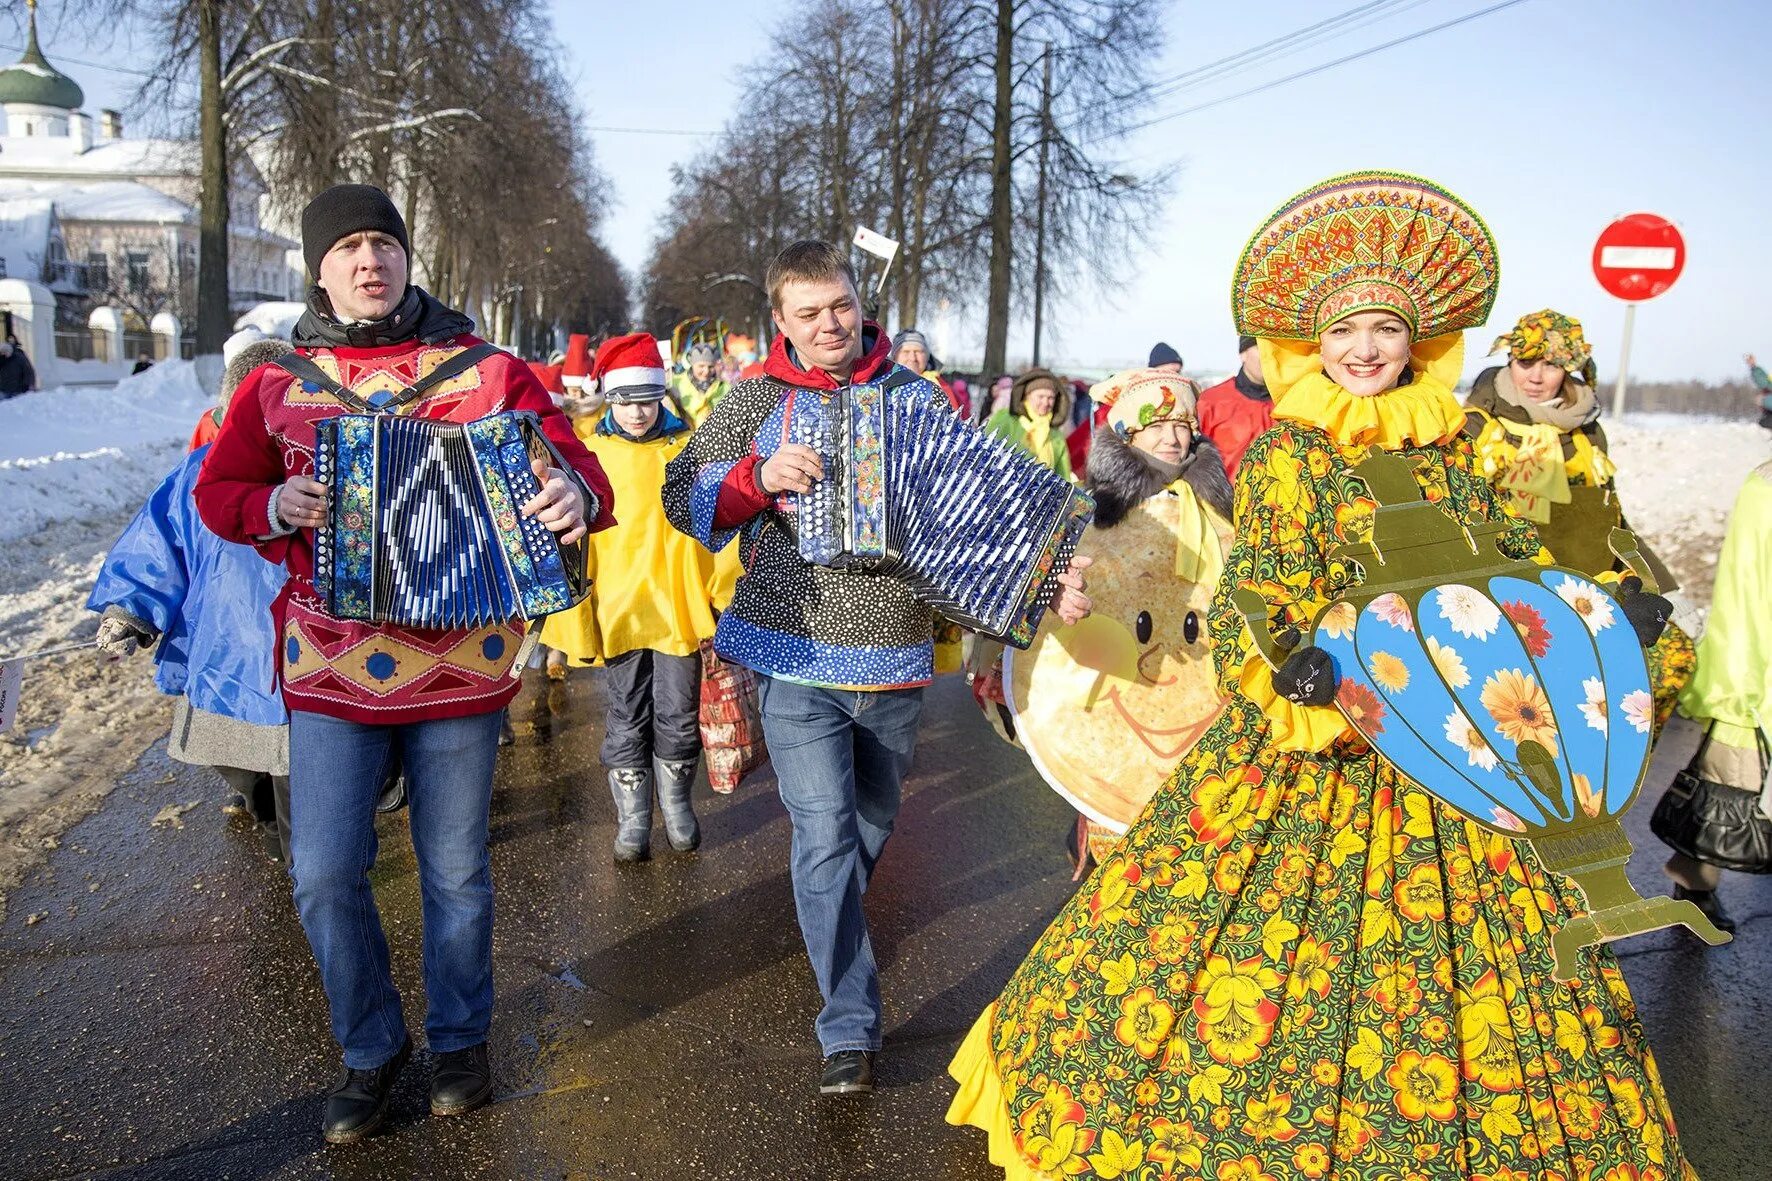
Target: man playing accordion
[(361, 694), (843, 653)]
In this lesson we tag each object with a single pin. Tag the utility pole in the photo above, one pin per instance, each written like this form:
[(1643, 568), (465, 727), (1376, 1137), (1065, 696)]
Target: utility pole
[(1040, 197)]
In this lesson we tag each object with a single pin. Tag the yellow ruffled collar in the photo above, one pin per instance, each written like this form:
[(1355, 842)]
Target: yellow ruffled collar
[(1422, 413)]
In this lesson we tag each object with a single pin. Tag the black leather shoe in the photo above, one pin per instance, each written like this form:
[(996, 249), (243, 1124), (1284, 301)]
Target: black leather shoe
[(462, 1081), (1708, 902), (359, 1104), (847, 1072)]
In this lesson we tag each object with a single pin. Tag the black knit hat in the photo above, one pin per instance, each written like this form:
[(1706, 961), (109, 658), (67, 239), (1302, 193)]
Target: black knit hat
[(1162, 354), (343, 210)]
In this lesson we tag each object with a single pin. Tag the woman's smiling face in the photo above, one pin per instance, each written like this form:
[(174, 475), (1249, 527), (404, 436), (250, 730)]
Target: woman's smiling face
[(1365, 353)]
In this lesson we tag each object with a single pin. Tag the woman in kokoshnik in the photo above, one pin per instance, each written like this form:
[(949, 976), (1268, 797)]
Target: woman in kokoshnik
[(1299, 964), (1535, 426)]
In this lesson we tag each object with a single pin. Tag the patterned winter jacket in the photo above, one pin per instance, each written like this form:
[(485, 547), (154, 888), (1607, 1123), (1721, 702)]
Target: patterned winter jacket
[(364, 672), (789, 618)]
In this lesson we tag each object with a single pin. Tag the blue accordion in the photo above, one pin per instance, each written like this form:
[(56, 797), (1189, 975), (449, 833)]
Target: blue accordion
[(974, 526), (423, 524)]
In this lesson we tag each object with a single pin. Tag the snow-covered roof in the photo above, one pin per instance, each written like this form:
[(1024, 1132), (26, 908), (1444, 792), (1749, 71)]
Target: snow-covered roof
[(54, 155), (24, 234), (118, 201), (109, 200)]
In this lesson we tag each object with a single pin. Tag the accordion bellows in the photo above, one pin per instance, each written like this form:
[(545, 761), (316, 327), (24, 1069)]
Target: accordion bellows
[(423, 526), (975, 527)]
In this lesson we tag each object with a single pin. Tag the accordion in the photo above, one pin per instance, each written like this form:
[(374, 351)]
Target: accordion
[(423, 526), (974, 526)]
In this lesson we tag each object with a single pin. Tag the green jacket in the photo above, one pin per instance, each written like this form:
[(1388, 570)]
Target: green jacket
[(1006, 424)]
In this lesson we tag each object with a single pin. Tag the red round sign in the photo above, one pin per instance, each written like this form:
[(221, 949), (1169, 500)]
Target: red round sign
[(1639, 256)]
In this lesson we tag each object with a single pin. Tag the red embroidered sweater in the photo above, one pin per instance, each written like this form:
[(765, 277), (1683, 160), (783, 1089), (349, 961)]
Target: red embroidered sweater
[(364, 672)]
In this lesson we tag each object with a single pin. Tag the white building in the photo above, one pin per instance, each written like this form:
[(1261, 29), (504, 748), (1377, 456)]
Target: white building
[(99, 233)]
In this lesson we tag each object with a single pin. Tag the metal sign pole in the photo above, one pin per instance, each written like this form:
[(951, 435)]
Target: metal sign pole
[(1630, 322)]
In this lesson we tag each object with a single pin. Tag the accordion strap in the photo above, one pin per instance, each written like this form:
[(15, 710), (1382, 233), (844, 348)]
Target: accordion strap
[(305, 369)]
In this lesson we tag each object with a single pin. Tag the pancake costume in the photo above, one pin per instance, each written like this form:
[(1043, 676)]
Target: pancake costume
[(1105, 707)]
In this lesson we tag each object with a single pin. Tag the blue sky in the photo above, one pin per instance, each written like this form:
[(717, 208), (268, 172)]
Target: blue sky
[(1550, 117)]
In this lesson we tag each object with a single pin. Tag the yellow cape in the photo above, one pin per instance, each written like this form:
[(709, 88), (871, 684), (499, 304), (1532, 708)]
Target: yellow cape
[(652, 586)]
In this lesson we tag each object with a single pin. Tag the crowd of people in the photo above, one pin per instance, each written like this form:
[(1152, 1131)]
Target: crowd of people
[(1286, 959)]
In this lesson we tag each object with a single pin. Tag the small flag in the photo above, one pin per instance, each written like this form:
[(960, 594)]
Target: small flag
[(877, 245)]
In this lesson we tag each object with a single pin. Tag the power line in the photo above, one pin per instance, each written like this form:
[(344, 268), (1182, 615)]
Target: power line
[(1330, 65), (75, 61), (1298, 39)]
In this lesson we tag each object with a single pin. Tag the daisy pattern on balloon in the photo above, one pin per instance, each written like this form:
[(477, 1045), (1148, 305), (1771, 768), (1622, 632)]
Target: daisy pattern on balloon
[(1639, 710), (1530, 626), (1463, 733), (1449, 664), (1338, 621), (1471, 613), (1506, 819), (1594, 708), (1517, 703), (1393, 610), (1589, 601), (1389, 672)]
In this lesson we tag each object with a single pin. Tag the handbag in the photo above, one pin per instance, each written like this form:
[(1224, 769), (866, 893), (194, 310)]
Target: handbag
[(1713, 822), (731, 724)]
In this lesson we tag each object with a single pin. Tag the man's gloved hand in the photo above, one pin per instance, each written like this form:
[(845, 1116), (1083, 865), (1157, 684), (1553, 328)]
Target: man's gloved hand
[(120, 633), (1307, 677), (1647, 614)]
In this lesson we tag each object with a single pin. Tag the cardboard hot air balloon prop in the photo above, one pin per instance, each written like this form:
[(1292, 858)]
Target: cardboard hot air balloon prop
[(1515, 693)]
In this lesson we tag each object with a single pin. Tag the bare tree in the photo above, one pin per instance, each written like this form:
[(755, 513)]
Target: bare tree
[(924, 119), (456, 108)]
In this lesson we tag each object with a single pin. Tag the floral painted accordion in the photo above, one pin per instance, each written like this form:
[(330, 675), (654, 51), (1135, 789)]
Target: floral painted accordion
[(423, 527), (974, 526)]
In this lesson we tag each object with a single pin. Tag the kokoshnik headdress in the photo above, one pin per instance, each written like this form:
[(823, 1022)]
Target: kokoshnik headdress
[(1366, 241)]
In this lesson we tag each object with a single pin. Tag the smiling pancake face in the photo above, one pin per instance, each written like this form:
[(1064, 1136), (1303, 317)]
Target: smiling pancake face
[(1109, 706)]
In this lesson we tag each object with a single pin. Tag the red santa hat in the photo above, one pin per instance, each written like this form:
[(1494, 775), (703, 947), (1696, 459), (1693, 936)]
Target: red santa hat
[(577, 365), (629, 369), (548, 375)]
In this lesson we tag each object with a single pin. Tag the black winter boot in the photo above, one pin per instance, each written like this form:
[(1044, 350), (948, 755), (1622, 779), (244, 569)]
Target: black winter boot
[(359, 1103)]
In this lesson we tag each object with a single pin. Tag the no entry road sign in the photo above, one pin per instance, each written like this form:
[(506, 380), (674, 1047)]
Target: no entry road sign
[(1639, 256)]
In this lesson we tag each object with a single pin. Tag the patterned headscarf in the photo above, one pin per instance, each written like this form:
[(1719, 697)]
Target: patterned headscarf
[(1138, 397), (1366, 241), (1551, 336)]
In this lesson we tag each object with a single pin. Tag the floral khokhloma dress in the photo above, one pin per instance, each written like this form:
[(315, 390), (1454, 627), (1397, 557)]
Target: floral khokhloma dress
[(1298, 965)]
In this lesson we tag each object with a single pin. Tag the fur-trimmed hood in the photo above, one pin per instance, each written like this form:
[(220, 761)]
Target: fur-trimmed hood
[(241, 365), (1061, 406), (1121, 477)]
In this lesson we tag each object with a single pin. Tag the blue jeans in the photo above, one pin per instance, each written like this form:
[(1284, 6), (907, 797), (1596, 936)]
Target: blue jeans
[(839, 757), (336, 769)]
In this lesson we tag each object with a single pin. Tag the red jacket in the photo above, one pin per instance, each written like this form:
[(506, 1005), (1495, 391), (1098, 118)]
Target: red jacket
[(364, 672), (207, 428), (1232, 420)]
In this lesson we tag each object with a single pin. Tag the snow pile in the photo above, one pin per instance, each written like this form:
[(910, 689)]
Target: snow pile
[(85, 453), (1677, 480)]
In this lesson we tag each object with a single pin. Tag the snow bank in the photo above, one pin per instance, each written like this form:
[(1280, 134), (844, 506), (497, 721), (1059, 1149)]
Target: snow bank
[(81, 453)]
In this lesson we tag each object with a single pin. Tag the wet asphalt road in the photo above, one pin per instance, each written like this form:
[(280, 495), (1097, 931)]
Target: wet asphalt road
[(164, 1020)]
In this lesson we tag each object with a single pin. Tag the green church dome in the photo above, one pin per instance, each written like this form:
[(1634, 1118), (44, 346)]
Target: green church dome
[(33, 80)]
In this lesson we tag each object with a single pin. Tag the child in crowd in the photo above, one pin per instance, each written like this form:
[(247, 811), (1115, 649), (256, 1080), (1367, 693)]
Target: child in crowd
[(206, 603), (654, 597)]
